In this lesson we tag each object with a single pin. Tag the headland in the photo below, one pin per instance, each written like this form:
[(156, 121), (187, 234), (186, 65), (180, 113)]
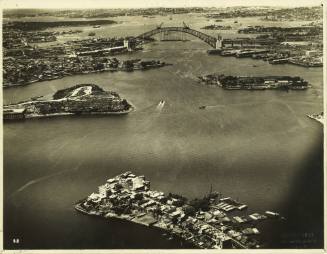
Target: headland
[(76, 100)]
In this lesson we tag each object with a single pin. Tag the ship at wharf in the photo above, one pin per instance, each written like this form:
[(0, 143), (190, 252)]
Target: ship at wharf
[(213, 222)]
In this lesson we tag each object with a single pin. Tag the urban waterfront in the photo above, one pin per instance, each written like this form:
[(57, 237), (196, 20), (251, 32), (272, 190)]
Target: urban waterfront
[(256, 146)]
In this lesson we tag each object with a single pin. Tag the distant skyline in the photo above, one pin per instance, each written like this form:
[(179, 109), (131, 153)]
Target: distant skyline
[(152, 3)]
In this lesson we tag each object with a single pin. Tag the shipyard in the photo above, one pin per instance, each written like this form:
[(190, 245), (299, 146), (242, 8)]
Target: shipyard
[(213, 222)]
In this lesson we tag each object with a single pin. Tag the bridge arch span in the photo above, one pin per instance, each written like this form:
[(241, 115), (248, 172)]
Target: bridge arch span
[(202, 36)]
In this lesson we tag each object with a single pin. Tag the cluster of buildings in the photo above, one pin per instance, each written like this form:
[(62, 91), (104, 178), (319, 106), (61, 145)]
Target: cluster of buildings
[(216, 27), (15, 38), (236, 12), (42, 25), (294, 14), (18, 38), (38, 36), (26, 71), (270, 13), (255, 83), (267, 13), (105, 13), (14, 113), (307, 54), (102, 46), (285, 33), (24, 63), (301, 46), (211, 222)]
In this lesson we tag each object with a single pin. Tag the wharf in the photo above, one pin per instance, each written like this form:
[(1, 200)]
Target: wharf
[(206, 223)]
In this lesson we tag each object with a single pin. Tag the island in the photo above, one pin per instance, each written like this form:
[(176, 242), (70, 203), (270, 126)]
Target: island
[(76, 100), (254, 82), (211, 222), (318, 117)]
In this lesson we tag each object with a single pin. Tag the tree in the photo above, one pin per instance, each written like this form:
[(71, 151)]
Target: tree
[(200, 204), (189, 210)]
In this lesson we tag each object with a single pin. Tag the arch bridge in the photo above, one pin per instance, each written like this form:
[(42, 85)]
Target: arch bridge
[(202, 36), (217, 43)]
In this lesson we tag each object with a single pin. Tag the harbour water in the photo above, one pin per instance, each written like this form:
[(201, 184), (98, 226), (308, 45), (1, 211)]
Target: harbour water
[(258, 147)]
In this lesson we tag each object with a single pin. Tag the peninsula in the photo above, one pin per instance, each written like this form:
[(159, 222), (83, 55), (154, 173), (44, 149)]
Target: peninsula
[(212, 222), (254, 82), (85, 63), (79, 99)]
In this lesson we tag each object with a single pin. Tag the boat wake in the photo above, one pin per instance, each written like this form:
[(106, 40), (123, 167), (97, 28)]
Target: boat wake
[(43, 178), (160, 106)]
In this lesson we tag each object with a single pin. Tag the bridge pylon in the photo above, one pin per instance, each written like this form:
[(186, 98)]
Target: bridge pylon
[(159, 26), (219, 42), (185, 26)]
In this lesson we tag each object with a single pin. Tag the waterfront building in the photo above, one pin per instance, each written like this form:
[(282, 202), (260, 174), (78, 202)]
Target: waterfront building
[(127, 45), (11, 114), (219, 42)]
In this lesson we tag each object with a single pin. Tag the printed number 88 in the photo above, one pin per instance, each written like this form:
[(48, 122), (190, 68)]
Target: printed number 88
[(15, 240)]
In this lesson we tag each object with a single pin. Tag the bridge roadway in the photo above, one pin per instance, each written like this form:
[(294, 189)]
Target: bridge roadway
[(204, 37)]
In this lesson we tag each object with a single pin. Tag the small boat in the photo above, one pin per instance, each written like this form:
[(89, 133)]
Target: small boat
[(272, 214), (96, 26), (202, 107)]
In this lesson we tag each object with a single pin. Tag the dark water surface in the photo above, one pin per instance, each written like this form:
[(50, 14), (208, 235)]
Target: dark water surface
[(256, 146)]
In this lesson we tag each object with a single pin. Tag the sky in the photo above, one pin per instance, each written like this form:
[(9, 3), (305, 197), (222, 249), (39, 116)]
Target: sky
[(151, 3)]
